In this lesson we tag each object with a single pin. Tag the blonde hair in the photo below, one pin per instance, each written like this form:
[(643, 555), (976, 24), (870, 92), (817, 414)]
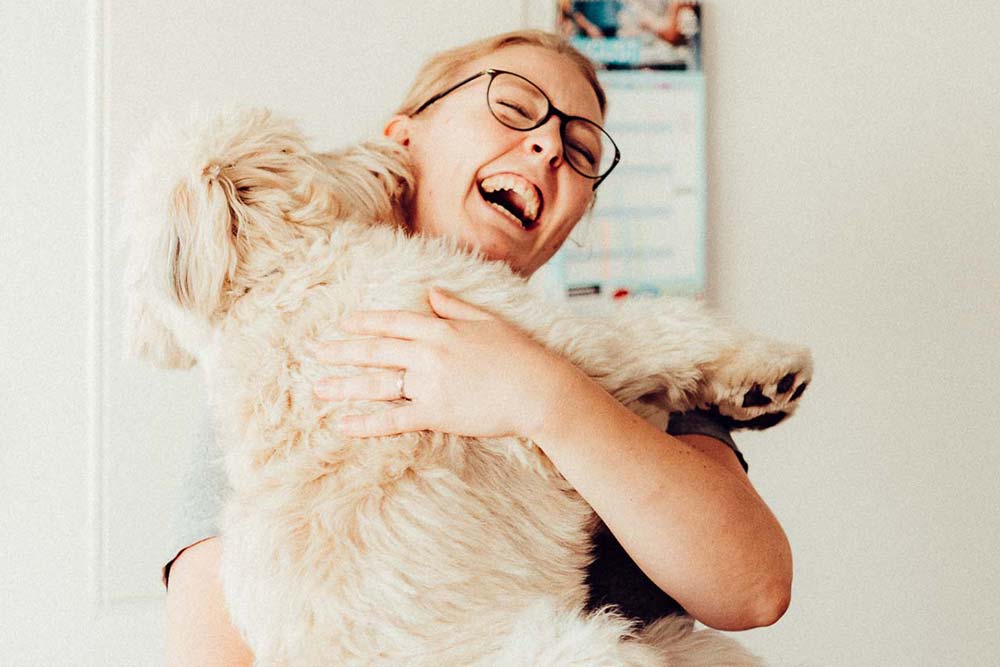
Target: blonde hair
[(443, 69)]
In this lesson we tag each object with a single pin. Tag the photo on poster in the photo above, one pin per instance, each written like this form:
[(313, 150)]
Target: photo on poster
[(634, 34)]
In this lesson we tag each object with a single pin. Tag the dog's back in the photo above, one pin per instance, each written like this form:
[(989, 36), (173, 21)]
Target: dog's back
[(421, 543)]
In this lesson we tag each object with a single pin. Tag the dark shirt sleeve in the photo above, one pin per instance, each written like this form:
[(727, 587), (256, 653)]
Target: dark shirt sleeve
[(700, 422), (613, 577)]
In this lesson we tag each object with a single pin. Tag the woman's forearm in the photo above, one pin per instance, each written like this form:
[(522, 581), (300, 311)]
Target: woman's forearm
[(696, 527)]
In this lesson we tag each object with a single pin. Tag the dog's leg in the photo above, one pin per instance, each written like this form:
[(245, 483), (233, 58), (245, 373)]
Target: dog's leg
[(674, 353), (749, 381)]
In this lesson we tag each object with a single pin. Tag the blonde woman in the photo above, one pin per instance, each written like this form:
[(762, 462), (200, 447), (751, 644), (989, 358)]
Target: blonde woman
[(684, 530)]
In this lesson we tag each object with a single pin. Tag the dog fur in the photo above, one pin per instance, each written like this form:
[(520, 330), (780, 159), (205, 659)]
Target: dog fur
[(422, 548)]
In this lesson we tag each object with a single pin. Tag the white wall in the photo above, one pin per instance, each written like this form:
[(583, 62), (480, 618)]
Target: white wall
[(854, 153), (854, 156)]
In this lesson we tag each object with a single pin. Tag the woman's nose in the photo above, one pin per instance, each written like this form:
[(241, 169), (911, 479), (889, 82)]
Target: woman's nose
[(546, 141)]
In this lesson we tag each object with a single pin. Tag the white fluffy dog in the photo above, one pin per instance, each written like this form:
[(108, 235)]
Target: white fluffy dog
[(422, 548)]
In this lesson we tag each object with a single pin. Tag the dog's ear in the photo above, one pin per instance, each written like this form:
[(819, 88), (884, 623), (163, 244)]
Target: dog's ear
[(198, 240), (180, 220), (213, 205), (180, 269), (150, 339)]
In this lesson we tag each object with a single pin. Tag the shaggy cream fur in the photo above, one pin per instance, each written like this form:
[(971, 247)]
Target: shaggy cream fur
[(418, 549)]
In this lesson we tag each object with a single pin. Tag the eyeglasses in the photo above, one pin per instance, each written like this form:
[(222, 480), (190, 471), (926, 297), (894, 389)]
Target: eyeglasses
[(521, 105)]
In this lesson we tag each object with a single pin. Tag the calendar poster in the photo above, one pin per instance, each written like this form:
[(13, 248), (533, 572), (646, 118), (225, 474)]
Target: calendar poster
[(646, 232)]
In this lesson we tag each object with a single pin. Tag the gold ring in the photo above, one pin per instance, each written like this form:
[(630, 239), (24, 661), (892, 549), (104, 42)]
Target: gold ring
[(401, 383)]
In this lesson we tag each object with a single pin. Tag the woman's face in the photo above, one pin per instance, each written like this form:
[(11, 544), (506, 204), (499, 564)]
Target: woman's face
[(459, 150)]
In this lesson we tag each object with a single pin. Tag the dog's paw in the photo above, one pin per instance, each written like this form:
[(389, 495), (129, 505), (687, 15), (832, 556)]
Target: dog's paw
[(758, 384)]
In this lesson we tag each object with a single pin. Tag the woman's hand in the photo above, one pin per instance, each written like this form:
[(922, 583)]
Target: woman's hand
[(464, 371)]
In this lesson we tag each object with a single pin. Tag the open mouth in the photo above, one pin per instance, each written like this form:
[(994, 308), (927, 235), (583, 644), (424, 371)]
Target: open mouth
[(513, 196)]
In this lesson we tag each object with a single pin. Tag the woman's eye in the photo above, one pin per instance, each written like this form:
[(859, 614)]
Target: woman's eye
[(513, 108), (585, 154)]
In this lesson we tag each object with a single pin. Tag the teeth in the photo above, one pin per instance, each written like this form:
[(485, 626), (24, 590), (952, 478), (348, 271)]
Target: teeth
[(515, 183), (508, 214)]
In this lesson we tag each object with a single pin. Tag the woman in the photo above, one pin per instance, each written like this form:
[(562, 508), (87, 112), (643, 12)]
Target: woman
[(679, 503)]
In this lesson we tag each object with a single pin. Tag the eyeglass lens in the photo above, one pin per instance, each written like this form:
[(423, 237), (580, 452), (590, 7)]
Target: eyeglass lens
[(521, 105)]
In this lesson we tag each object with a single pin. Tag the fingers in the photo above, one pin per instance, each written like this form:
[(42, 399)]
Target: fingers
[(377, 386), (386, 422), (408, 325), (378, 352), (403, 324), (452, 308)]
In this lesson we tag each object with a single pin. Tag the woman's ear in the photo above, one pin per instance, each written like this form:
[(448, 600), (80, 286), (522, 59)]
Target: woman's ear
[(398, 129)]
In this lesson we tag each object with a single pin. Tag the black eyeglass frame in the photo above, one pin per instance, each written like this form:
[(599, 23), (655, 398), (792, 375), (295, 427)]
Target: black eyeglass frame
[(563, 117)]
